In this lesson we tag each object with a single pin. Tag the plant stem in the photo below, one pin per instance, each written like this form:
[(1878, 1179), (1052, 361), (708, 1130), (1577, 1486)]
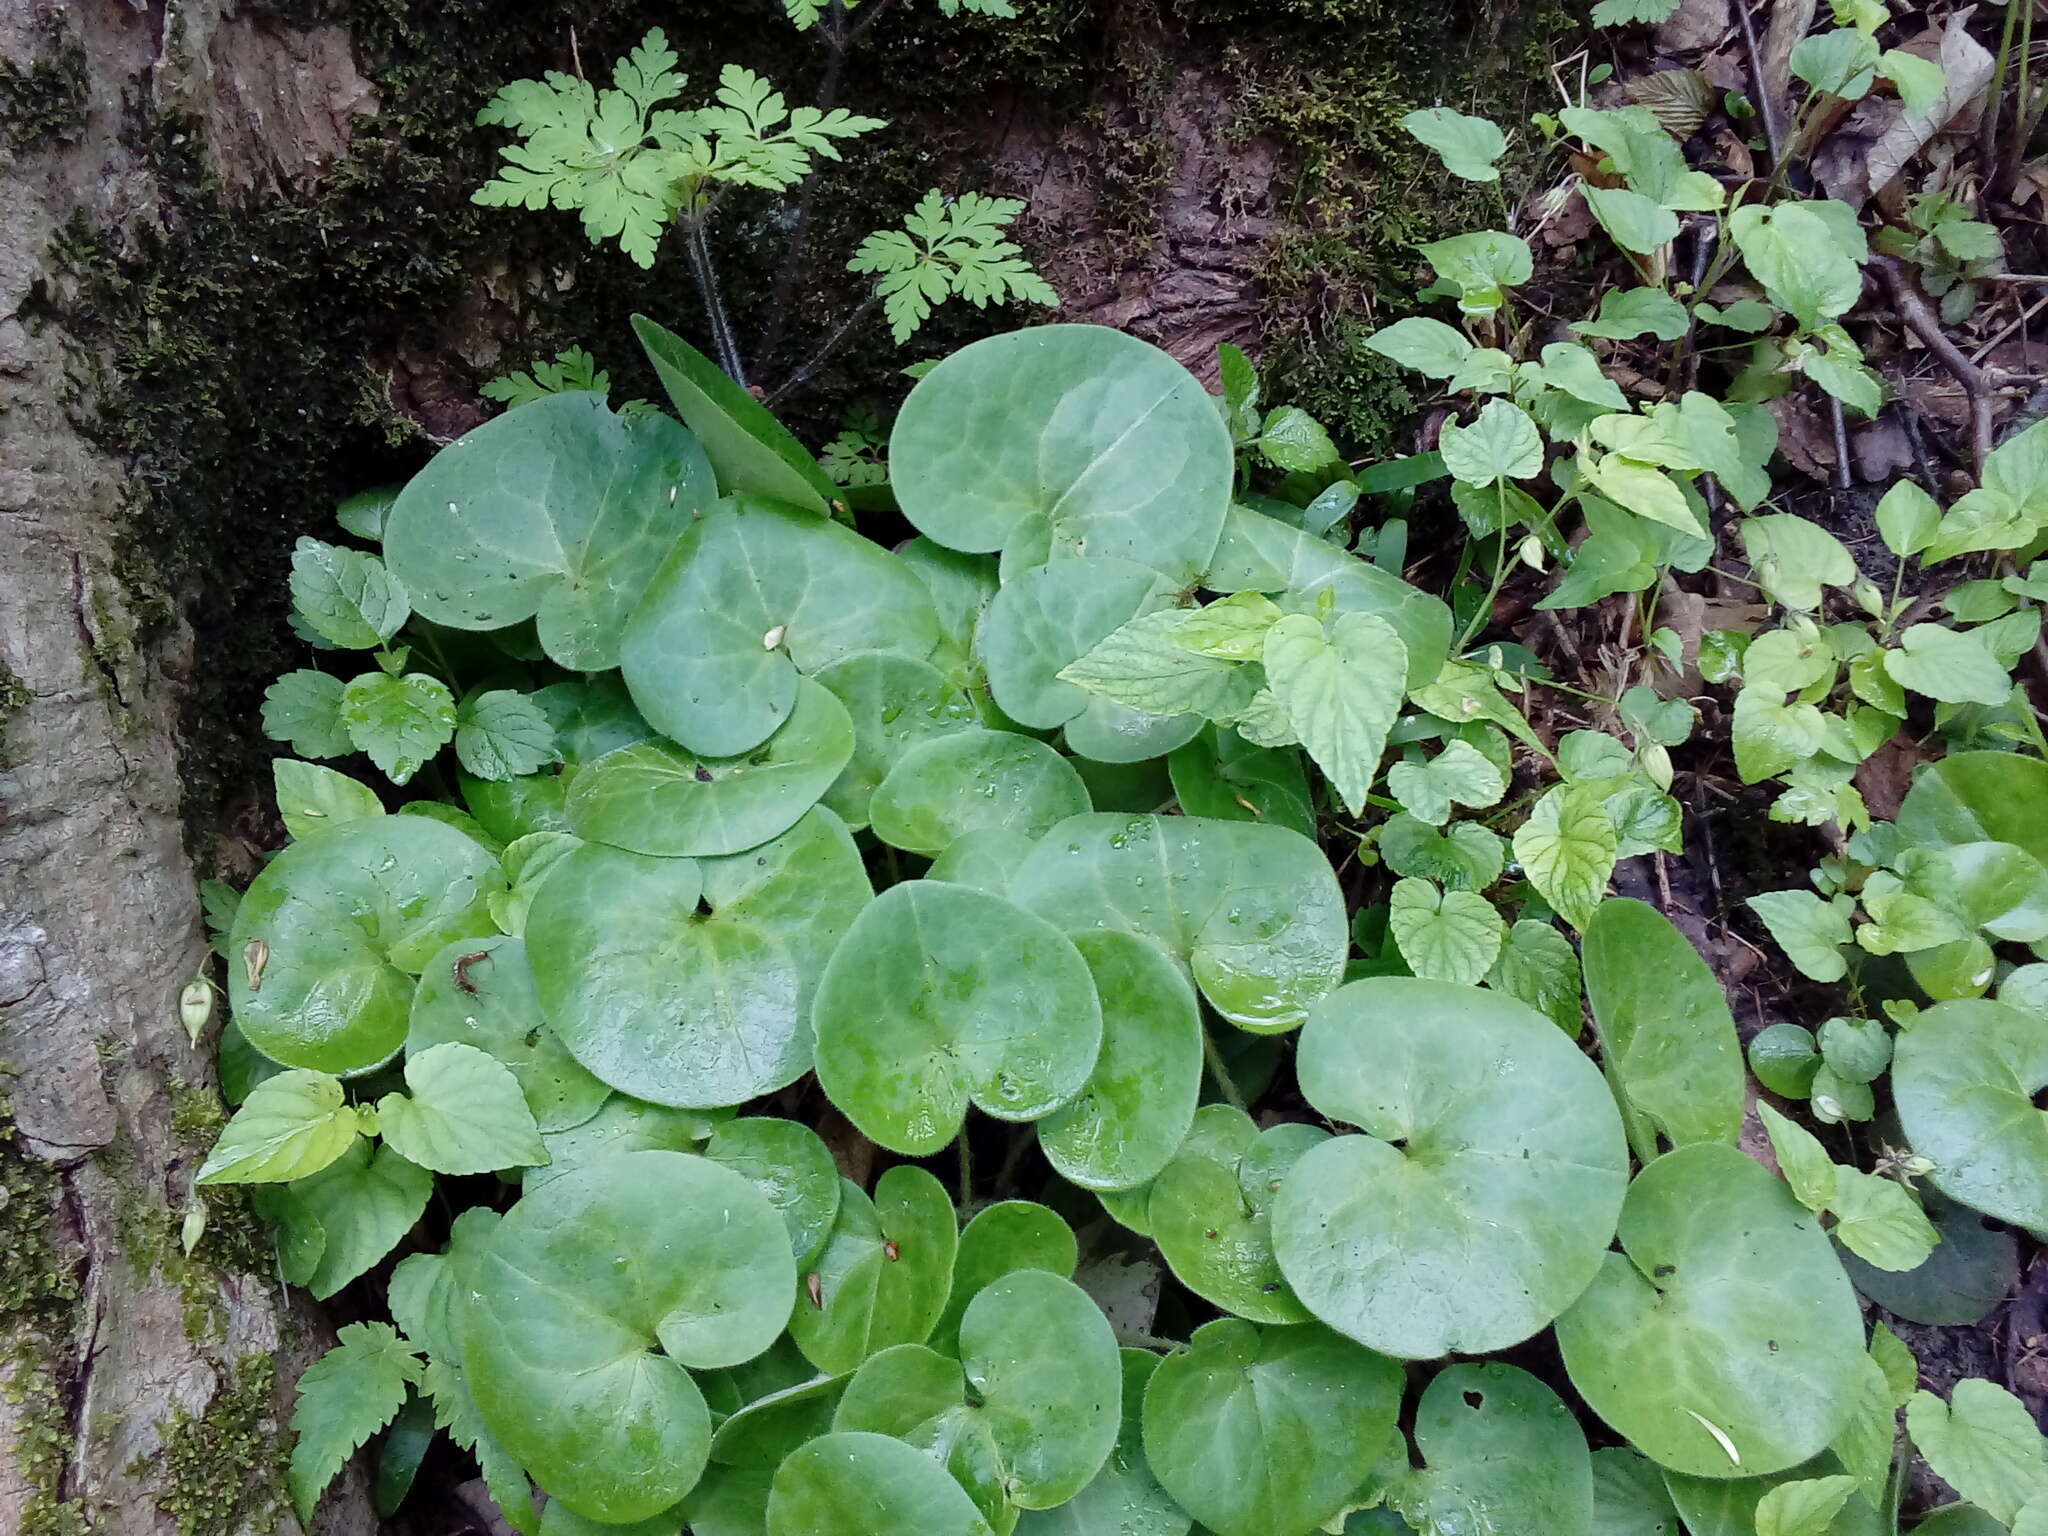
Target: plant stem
[(966, 1195), (1225, 1083), (698, 245), (1484, 614), (1987, 131), (819, 358)]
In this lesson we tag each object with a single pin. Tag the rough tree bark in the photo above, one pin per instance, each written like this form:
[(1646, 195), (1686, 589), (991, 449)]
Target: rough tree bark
[(144, 1387)]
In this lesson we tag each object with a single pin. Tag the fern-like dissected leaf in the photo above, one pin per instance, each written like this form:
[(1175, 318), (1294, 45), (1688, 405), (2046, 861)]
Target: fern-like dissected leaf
[(949, 249), (574, 369), (603, 154), (345, 1397), (753, 139)]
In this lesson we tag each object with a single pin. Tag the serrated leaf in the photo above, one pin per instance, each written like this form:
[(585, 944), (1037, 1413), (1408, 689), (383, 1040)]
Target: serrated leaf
[(1233, 629), (1983, 1443), (291, 1125), (1794, 558), (1770, 735), (1143, 665), (1341, 694), (1842, 62), (465, 1114), (1983, 519), (503, 734), (345, 1397), (1538, 965), (1879, 1221), (1460, 774), (400, 722), (1680, 99), (1808, 929), (1792, 251), (1501, 443), (1567, 848), (303, 709), (312, 799), (1807, 1168), (1953, 666), (1622, 13), (346, 597), (1468, 146), (1430, 347), (1444, 935), (1632, 221), (1479, 266), (949, 248), (1631, 312), (1294, 441), (1803, 1507)]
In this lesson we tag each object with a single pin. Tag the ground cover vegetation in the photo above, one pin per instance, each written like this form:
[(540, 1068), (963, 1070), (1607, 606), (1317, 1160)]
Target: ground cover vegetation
[(1088, 959)]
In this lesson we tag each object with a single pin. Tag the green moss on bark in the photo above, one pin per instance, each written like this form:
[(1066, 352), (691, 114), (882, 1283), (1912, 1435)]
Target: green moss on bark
[(223, 1469)]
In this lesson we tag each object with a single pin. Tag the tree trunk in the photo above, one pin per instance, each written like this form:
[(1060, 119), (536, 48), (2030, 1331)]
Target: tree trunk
[(146, 1388)]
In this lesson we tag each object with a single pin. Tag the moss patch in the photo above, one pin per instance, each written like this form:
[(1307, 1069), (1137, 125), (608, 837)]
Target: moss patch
[(46, 100), (224, 1469)]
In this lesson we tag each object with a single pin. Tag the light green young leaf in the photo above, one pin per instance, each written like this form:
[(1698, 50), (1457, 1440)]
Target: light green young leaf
[(1903, 921), (1430, 347), (1983, 1443), (400, 721), (1444, 935), (1842, 62), (1620, 13), (1879, 1221), (1631, 220), (291, 1125), (1143, 665), (1770, 735), (1808, 929), (1953, 666), (1631, 312), (465, 1114), (303, 709), (1840, 370), (1233, 629), (1460, 774), (1921, 83), (312, 799), (1538, 965), (1646, 155), (1802, 1159), (1982, 519), (1567, 848), (1793, 558), (949, 248), (346, 597), (1575, 370), (1339, 694), (1294, 441), (1485, 371), (1907, 518), (1468, 146), (503, 734), (1793, 252), (1641, 488), (1805, 1506), (1501, 443), (1478, 267), (345, 1397)]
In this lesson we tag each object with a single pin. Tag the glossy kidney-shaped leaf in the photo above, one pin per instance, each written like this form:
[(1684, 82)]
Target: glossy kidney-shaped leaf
[(941, 996), (884, 1275), (1727, 1342), (1134, 1112), (1977, 797), (689, 981), (480, 992), (558, 511), (622, 1124), (1001, 1239), (655, 798), (755, 594), (1501, 1452), (1477, 1203), (1267, 1432), (974, 781), (1124, 1497), (1665, 1029), (1964, 1076), (327, 940), (1210, 1211), (895, 703), (1026, 1416), (1253, 910), (789, 1164), (853, 1483), (1072, 438), (752, 452), (1262, 554), (594, 1293)]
